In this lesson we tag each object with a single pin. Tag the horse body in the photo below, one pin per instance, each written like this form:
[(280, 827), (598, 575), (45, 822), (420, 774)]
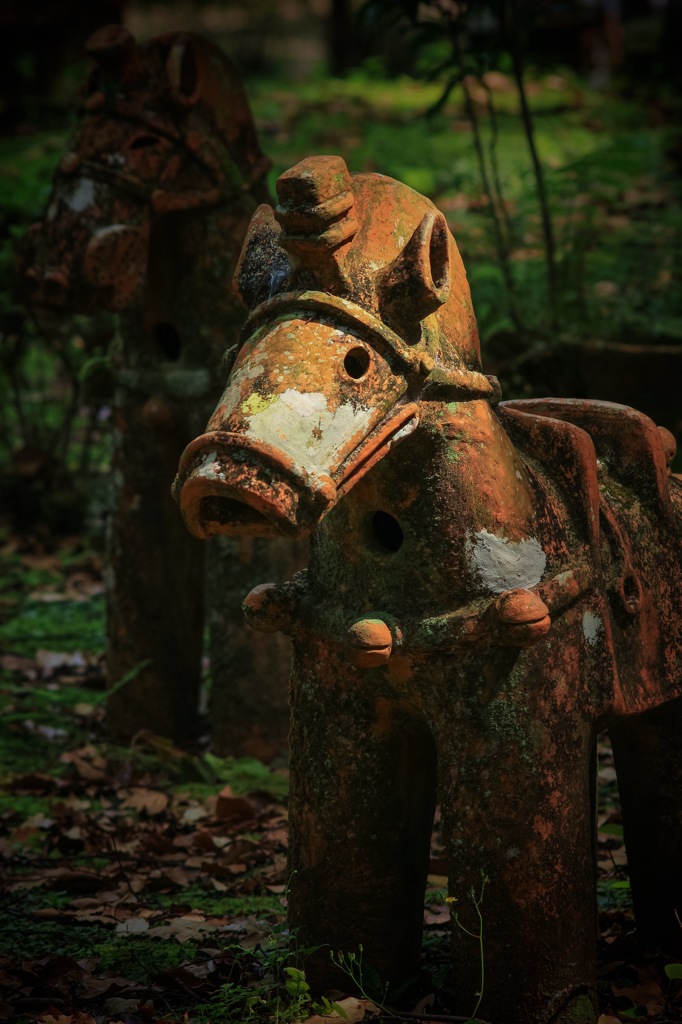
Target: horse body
[(149, 208), (488, 586)]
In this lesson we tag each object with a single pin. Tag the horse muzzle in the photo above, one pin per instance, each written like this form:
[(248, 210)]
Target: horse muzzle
[(230, 484)]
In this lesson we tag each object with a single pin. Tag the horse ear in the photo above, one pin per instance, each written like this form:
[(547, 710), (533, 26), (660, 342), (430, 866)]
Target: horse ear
[(112, 48), (263, 268), (417, 282), (182, 68)]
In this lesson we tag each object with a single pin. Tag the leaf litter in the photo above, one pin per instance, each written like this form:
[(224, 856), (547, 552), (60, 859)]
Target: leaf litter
[(144, 883)]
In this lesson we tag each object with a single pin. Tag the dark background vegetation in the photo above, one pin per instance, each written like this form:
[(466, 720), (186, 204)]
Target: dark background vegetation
[(147, 882)]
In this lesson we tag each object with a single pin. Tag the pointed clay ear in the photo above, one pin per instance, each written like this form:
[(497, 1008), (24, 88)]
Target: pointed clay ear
[(417, 282), (183, 73), (263, 267)]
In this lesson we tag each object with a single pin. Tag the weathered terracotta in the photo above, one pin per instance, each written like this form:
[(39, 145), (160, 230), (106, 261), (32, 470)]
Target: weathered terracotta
[(147, 215), (489, 586)]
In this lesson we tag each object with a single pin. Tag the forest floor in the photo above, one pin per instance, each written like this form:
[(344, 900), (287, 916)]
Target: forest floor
[(148, 883)]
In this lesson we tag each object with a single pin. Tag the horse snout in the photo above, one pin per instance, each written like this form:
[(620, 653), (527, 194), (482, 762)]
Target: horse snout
[(229, 484)]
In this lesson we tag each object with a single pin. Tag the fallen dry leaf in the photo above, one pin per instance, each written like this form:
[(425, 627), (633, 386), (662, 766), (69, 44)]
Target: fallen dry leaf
[(353, 1010), (132, 926), (151, 801), (229, 806), (439, 915)]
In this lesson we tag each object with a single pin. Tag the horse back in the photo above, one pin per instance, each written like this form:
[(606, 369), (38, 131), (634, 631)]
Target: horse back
[(610, 466)]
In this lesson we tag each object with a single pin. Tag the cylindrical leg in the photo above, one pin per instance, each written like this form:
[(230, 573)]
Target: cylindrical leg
[(648, 758), (518, 809), (361, 812), (249, 671), (154, 586)]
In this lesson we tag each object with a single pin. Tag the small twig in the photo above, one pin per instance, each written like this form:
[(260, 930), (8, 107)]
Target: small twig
[(510, 22), (122, 870), (494, 206)]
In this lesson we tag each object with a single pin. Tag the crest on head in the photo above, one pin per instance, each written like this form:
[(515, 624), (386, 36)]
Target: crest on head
[(374, 251)]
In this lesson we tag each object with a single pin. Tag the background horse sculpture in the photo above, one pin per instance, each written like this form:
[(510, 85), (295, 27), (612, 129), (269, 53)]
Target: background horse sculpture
[(489, 585), (147, 215)]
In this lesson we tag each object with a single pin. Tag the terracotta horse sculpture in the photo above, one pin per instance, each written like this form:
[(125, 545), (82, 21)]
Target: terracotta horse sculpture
[(489, 585), (147, 216)]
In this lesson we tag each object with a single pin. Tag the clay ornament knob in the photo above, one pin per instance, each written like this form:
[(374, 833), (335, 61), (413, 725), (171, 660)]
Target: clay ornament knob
[(368, 643), (267, 610), (522, 618)]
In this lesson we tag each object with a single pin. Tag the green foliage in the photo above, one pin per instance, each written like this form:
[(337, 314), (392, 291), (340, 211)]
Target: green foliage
[(476, 900), (614, 894), (140, 957), (47, 436), (614, 202), (614, 197), (216, 903), (363, 976), (262, 989), (57, 625), (26, 167), (244, 774)]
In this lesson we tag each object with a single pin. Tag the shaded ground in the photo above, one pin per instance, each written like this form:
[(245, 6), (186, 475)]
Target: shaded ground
[(149, 883)]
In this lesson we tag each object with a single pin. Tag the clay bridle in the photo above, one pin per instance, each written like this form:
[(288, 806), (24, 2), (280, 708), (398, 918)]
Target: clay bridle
[(461, 383)]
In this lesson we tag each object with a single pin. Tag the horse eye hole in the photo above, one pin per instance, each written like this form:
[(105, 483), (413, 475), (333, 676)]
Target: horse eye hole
[(356, 362), (144, 142), (387, 531)]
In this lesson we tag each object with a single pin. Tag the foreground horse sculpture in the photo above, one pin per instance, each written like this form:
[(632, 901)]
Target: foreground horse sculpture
[(147, 216), (489, 585)]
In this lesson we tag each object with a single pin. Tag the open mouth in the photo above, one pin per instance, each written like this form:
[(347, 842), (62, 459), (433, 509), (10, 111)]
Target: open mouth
[(229, 484)]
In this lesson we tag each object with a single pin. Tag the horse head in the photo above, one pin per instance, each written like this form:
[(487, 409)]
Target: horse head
[(358, 303), (164, 127)]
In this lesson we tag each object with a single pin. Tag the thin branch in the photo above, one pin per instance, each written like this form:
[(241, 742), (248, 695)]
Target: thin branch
[(500, 244), (511, 29)]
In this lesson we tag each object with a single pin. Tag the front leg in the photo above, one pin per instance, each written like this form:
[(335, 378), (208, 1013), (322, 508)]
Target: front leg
[(361, 813), (517, 803)]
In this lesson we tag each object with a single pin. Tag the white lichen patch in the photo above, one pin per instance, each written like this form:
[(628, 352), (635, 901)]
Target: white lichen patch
[(81, 195), (593, 627), (302, 426), (500, 564)]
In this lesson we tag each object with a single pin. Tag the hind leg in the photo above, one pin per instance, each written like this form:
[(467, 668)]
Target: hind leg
[(517, 797), (648, 757)]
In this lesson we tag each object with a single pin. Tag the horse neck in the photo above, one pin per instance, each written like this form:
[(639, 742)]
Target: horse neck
[(481, 471), (424, 525)]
